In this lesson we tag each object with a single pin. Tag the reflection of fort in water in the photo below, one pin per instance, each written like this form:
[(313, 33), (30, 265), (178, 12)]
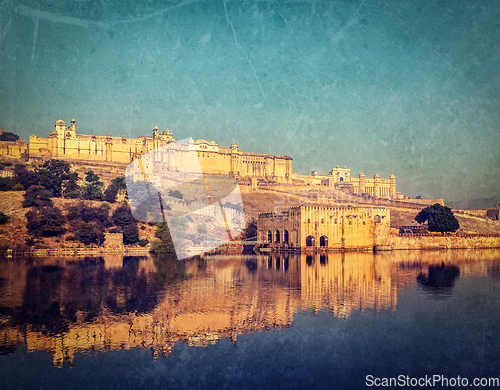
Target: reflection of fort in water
[(104, 304)]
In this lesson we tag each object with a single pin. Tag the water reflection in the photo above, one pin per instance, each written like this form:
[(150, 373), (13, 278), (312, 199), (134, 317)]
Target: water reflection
[(71, 305)]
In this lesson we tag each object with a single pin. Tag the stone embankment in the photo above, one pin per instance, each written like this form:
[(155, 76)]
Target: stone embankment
[(417, 241)]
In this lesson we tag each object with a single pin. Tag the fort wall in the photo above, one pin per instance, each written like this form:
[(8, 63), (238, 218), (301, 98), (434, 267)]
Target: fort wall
[(411, 242), (65, 143)]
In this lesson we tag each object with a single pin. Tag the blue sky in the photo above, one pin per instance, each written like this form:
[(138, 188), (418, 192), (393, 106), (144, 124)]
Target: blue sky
[(409, 88)]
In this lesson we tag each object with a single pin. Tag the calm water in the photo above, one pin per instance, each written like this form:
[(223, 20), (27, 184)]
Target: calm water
[(247, 322)]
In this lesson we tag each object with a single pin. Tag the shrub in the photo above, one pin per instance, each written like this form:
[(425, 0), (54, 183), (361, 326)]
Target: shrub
[(5, 184), (111, 193), (89, 233), (18, 187), (3, 218), (46, 221), (122, 217), (83, 212), (37, 196), (93, 190)]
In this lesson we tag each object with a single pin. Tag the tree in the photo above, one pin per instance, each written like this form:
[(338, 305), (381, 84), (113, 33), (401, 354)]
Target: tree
[(250, 230), (89, 233), (71, 187), (439, 218), (93, 190), (122, 217), (165, 244), (46, 221), (175, 194), (23, 176), (3, 218), (37, 196), (53, 174), (110, 193), (6, 136)]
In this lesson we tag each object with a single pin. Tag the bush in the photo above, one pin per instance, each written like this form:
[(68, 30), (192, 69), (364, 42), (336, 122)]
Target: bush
[(93, 190), (143, 242), (83, 212), (3, 218), (89, 233), (18, 187), (122, 217), (37, 196), (5, 184), (111, 193), (46, 221)]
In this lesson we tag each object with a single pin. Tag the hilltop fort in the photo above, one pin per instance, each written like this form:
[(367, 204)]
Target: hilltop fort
[(64, 142)]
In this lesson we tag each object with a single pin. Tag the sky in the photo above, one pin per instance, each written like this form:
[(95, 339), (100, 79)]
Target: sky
[(403, 87)]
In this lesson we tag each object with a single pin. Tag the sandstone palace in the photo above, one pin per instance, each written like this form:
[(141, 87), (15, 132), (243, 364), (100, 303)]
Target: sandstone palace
[(65, 143)]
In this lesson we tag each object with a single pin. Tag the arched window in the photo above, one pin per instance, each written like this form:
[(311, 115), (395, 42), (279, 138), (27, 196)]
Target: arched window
[(310, 241), (323, 241), (309, 260), (376, 219), (285, 236), (269, 236), (277, 237)]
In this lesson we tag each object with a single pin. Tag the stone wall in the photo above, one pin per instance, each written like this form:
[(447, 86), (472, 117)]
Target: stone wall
[(113, 240), (441, 242)]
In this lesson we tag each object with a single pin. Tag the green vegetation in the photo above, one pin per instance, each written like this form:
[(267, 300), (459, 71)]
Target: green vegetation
[(3, 218), (111, 193), (93, 190), (6, 136), (165, 245), (53, 174), (45, 221), (250, 230), (439, 218), (175, 194), (202, 228), (122, 217), (37, 196)]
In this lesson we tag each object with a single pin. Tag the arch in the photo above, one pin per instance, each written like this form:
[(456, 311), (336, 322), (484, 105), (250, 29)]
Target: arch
[(323, 241), (309, 260), (285, 236), (341, 179), (269, 236), (277, 237), (310, 241), (377, 219)]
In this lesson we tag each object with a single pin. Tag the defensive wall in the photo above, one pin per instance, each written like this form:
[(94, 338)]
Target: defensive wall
[(425, 241), (65, 143)]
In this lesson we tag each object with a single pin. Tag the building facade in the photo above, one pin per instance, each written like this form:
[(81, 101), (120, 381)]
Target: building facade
[(340, 179), (304, 228), (65, 143)]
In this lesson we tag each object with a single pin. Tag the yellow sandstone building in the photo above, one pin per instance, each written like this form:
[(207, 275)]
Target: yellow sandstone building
[(65, 143), (305, 228)]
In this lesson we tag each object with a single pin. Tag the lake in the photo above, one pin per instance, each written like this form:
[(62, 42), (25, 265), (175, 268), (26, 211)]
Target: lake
[(351, 320)]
